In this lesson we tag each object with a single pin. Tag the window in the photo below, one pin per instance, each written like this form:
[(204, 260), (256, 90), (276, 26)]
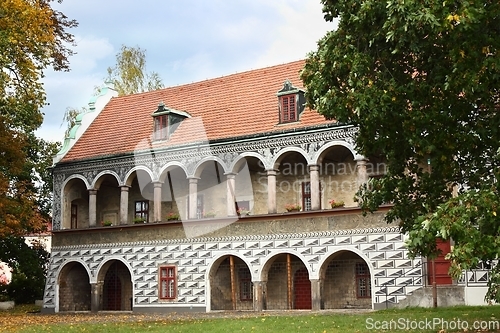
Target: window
[(199, 206), (363, 283), (74, 216), (246, 290), (142, 210), (291, 102), (161, 127), (288, 109), (306, 196), (168, 282), (166, 121)]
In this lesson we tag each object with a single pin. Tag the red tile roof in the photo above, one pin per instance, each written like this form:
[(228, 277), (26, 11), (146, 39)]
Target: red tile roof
[(229, 106)]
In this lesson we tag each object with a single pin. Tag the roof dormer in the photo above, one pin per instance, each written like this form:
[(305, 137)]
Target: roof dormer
[(166, 121), (291, 103)]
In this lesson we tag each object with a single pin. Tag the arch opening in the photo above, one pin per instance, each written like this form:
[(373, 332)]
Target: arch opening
[(74, 288), (231, 286), (75, 208), (345, 282), (287, 284), (116, 284)]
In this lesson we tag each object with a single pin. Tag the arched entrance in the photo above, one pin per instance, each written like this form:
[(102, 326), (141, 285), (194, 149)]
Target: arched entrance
[(345, 282), (74, 288), (112, 291), (116, 287), (231, 285), (287, 284)]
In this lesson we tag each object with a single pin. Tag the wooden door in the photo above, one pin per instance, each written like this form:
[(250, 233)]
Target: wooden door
[(302, 290), (442, 265)]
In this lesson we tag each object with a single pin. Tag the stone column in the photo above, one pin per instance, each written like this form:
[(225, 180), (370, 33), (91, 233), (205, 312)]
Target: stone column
[(316, 294), (92, 208), (271, 191), (157, 201), (124, 204), (231, 194), (315, 189), (258, 296), (95, 289), (193, 194), (362, 175)]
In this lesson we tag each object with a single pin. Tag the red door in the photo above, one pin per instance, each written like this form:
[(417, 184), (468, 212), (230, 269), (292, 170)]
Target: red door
[(302, 290), (442, 265)]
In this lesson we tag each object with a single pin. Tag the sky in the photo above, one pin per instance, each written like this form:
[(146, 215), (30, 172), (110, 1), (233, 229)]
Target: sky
[(185, 41)]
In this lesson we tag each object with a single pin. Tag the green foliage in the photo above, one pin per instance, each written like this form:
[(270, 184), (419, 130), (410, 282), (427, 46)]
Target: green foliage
[(29, 269), (421, 81), (32, 38), (69, 118)]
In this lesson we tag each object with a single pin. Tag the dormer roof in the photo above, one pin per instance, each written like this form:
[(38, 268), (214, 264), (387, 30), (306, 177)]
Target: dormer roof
[(163, 109), (288, 89)]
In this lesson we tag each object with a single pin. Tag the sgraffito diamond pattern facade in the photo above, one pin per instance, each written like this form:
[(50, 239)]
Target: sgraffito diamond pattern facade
[(382, 248)]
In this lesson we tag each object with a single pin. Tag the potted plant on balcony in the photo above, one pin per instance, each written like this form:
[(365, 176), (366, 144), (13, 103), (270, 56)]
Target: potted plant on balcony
[(106, 223), (336, 204), (293, 207), (139, 220), (208, 215), (172, 216), (243, 212)]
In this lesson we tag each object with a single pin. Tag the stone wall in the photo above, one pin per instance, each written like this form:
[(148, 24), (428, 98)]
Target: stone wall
[(329, 220)]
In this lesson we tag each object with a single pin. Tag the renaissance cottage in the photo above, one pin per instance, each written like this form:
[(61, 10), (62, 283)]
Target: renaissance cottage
[(224, 194)]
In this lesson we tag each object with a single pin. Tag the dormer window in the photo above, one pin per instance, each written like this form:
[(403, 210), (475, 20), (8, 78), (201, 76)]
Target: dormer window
[(288, 110), (166, 121), (291, 103), (161, 127)]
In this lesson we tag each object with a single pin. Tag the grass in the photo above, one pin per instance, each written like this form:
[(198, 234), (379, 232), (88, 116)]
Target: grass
[(453, 319)]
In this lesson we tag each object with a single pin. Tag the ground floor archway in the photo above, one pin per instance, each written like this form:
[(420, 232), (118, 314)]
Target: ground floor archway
[(231, 285), (345, 282), (116, 282), (286, 283), (74, 288)]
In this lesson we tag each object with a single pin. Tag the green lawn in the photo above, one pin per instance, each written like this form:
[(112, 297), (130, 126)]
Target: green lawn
[(455, 319)]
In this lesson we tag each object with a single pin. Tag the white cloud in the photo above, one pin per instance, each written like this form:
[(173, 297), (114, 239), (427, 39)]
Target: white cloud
[(185, 41), (74, 88), (89, 50), (302, 26)]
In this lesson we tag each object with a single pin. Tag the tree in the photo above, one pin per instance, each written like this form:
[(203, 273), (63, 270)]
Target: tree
[(32, 37), (69, 118), (129, 75), (29, 269), (421, 80)]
